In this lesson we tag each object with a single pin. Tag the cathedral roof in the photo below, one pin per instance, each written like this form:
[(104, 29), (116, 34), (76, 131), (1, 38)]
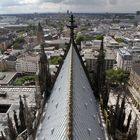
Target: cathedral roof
[(72, 111)]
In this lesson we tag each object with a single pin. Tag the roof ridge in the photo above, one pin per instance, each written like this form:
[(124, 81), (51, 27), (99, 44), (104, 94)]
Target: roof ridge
[(70, 101)]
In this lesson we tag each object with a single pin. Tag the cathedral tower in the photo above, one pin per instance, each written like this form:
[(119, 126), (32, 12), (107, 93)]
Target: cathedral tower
[(40, 34), (44, 77)]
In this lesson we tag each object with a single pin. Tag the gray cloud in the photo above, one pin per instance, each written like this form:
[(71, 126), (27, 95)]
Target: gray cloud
[(4, 3), (52, 1), (79, 2), (113, 2), (85, 2), (74, 5)]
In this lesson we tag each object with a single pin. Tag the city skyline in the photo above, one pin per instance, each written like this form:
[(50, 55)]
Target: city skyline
[(92, 6)]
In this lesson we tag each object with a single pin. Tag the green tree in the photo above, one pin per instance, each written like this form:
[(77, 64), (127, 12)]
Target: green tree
[(55, 60), (89, 37), (99, 37), (20, 81), (117, 76), (18, 42), (119, 40), (80, 37)]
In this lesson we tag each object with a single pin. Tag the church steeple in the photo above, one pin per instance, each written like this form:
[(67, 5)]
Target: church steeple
[(44, 73), (43, 57), (12, 131), (39, 29), (100, 72), (21, 115), (40, 34)]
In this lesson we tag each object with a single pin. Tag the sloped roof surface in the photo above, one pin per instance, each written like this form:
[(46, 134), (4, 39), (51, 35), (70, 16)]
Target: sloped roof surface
[(71, 94)]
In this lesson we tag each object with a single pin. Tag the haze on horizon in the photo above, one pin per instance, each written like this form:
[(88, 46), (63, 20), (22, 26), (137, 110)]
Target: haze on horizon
[(91, 6)]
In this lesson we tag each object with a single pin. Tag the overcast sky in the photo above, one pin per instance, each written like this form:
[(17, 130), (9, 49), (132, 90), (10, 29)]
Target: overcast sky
[(95, 6)]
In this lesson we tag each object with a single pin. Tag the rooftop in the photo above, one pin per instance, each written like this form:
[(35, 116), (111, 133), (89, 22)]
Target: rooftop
[(124, 52), (109, 54), (57, 41), (136, 68), (32, 57), (11, 100), (7, 77), (72, 110)]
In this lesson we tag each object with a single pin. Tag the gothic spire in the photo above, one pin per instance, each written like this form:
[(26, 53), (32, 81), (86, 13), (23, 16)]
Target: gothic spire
[(2, 136), (100, 72), (43, 57), (122, 109), (28, 116), (133, 130), (105, 95), (129, 120), (102, 46), (12, 131), (122, 104), (117, 104), (39, 28), (72, 26), (101, 55), (16, 121), (21, 115), (40, 34), (44, 76)]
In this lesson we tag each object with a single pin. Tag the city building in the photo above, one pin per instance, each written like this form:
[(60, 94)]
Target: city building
[(3, 46), (94, 45), (135, 83), (9, 97), (127, 56), (27, 63), (57, 43), (124, 59), (11, 63), (7, 62), (91, 59), (3, 66), (65, 105), (7, 78), (135, 52), (112, 43), (4, 42)]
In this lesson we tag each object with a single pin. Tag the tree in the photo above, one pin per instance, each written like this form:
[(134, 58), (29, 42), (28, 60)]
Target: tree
[(80, 37), (18, 43), (119, 40), (117, 76), (55, 60), (99, 37)]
